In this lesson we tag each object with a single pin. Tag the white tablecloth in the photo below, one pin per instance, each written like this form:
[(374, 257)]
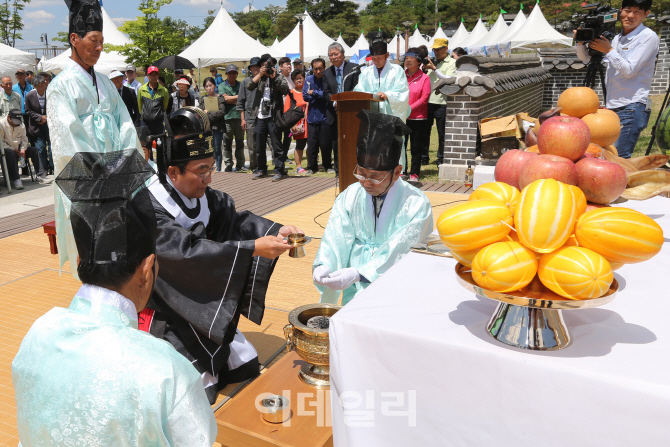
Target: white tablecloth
[(416, 332)]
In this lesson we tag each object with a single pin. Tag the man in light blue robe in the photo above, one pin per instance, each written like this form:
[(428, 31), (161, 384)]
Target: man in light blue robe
[(85, 113), (374, 222), (86, 376), (386, 80)]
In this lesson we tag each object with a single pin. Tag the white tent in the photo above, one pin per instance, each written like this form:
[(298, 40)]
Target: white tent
[(498, 29), (393, 45), (315, 41), (347, 48), (478, 33), (439, 34), (109, 60), (209, 49), (12, 59), (537, 33), (459, 36), (360, 44), (416, 39), (275, 43), (516, 25)]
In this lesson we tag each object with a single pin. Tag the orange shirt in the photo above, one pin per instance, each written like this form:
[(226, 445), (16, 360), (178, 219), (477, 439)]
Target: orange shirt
[(300, 102)]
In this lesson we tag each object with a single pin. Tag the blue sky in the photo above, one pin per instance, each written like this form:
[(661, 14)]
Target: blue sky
[(50, 16)]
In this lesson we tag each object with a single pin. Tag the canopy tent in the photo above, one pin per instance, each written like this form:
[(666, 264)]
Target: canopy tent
[(498, 29), (347, 48), (315, 41), (478, 33), (439, 34), (275, 43), (416, 39), (516, 25), (12, 59), (208, 50), (459, 36), (393, 45), (109, 60), (360, 44), (537, 33)]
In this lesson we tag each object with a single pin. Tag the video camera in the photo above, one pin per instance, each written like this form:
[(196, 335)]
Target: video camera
[(269, 67), (600, 20)]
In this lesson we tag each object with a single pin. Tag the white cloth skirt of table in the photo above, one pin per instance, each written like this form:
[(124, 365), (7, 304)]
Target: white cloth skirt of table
[(412, 363)]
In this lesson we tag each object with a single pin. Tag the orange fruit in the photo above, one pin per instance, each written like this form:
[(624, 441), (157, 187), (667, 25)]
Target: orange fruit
[(504, 267), (575, 273)]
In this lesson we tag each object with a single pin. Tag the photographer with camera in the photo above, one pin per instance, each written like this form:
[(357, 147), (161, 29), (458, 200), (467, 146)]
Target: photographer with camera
[(630, 58), (272, 87)]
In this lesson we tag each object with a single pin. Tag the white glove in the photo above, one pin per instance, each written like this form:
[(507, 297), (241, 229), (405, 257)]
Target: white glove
[(341, 279), (320, 273)]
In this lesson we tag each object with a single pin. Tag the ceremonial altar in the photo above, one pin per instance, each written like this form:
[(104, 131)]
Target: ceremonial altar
[(411, 363)]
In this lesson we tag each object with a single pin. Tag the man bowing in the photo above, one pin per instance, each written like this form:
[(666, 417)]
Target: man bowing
[(374, 222), (84, 110), (215, 262)]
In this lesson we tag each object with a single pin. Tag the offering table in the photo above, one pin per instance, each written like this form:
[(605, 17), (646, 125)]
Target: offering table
[(411, 363)]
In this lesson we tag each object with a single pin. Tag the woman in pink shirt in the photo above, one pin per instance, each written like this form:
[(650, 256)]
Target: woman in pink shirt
[(419, 93)]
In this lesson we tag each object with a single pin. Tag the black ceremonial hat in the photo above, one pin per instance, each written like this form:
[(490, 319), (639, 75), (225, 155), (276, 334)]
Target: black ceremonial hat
[(378, 45), (380, 140), (85, 16), (112, 217)]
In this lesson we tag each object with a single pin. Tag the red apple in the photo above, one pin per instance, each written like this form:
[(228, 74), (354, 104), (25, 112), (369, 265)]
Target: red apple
[(509, 165), (548, 166), (593, 206), (601, 181), (565, 136)]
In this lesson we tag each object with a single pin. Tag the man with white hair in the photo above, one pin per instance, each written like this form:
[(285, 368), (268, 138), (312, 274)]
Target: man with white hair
[(127, 95)]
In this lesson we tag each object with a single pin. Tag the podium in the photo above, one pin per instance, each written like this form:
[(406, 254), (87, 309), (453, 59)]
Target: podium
[(348, 106)]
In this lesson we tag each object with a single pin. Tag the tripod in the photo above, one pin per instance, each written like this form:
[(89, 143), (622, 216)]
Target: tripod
[(658, 118), (595, 65)]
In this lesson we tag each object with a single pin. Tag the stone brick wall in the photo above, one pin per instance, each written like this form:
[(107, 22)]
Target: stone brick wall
[(464, 113), (659, 83), (564, 79)]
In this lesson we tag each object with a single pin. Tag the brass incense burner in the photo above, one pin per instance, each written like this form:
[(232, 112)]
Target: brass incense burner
[(307, 335), (297, 242)]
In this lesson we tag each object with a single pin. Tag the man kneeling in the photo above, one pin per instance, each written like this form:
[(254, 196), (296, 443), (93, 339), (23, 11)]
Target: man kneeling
[(86, 375), (374, 222)]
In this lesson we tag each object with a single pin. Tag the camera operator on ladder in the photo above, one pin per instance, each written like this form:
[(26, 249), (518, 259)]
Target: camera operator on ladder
[(630, 57)]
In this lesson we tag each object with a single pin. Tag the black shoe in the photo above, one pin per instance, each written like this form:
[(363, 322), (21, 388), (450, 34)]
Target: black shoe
[(228, 169), (276, 177), (322, 169), (259, 174)]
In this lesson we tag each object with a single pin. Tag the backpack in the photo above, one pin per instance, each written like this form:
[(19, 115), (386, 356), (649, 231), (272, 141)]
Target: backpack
[(286, 120)]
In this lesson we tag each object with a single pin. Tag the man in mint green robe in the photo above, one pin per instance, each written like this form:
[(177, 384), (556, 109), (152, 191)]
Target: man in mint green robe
[(374, 222), (386, 80), (84, 114), (86, 376)]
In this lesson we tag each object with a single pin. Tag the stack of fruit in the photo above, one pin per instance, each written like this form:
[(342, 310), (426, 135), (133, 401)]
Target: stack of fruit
[(508, 237)]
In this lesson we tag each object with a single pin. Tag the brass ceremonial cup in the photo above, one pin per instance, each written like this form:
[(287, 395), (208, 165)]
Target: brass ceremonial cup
[(297, 242), (311, 344)]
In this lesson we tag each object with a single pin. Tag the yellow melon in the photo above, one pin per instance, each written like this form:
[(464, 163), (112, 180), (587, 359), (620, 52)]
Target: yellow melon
[(578, 101), (465, 257), (545, 215), (616, 265), (572, 241), (581, 199), (497, 191), (504, 267), (575, 273), (474, 224), (619, 234)]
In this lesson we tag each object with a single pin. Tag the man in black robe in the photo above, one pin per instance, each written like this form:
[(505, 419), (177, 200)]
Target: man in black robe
[(215, 262)]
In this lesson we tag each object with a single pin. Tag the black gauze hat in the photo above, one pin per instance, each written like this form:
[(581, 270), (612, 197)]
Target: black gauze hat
[(378, 45), (85, 16), (380, 140), (112, 217), (192, 136)]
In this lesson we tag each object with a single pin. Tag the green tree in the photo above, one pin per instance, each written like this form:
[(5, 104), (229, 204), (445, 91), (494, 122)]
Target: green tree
[(11, 22), (152, 37), (63, 37)]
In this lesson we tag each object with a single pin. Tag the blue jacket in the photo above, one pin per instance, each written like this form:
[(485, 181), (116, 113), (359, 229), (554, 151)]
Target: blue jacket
[(17, 89), (218, 79), (318, 104)]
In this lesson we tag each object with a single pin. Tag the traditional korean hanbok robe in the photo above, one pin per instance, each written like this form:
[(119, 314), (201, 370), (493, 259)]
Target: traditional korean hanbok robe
[(86, 376), (392, 82), (83, 120), (208, 278), (350, 239)]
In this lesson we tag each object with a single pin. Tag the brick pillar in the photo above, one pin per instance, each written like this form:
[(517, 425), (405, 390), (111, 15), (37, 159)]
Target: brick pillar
[(659, 83)]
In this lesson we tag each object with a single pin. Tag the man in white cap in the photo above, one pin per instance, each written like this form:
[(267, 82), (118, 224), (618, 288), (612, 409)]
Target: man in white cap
[(127, 94), (130, 80)]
